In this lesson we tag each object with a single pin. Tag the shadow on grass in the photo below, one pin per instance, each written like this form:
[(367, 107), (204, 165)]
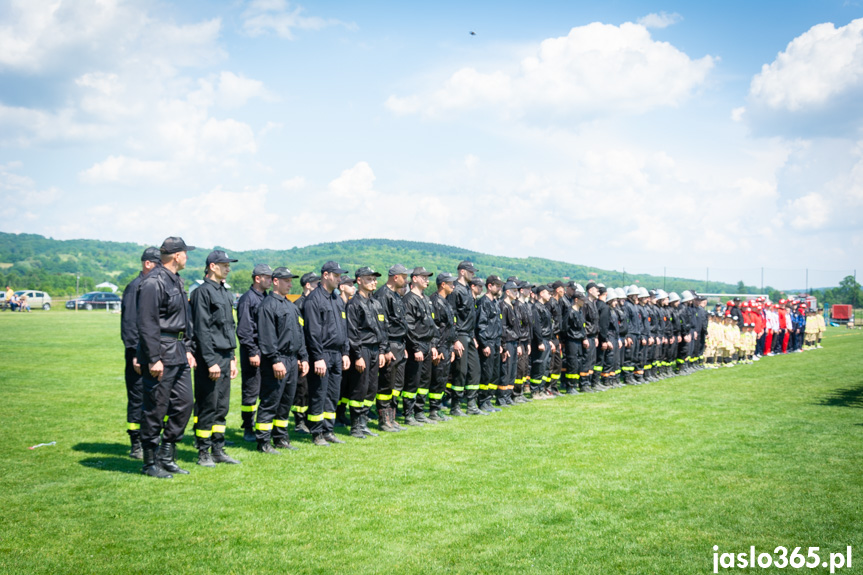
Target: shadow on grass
[(115, 464), (850, 397)]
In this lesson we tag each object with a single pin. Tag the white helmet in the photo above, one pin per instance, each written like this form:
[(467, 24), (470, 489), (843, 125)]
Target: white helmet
[(610, 294), (673, 297), (660, 294), (642, 292), (687, 296), (620, 293), (631, 290)]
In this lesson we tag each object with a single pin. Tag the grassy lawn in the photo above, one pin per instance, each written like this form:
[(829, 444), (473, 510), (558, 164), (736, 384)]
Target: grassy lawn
[(643, 479)]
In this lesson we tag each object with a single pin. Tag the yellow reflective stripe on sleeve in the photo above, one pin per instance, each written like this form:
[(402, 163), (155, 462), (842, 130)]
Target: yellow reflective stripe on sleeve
[(315, 417), (263, 426), (432, 315), (343, 315), (355, 403), (280, 422), (194, 419), (218, 429), (203, 433), (329, 415), (248, 408), (133, 426)]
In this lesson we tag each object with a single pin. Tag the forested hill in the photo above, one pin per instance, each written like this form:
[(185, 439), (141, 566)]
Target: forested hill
[(35, 262)]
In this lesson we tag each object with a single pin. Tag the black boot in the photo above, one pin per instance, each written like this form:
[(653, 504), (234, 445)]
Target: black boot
[(265, 447), (300, 423), (364, 425), (249, 426), (219, 455), (284, 443), (166, 457), (151, 465), (341, 416), (356, 428), (205, 459), (386, 418), (136, 451)]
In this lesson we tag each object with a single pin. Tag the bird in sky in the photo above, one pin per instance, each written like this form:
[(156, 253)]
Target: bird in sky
[(472, 33)]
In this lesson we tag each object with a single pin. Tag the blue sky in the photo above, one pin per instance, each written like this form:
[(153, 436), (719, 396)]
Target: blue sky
[(636, 135)]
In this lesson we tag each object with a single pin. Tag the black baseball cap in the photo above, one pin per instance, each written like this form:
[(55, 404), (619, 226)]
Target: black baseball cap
[(398, 270), (557, 284), (219, 257), (476, 282), (510, 285), (310, 277), (493, 279), (151, 255), (332, 267), (173, 245), (283, 273), (445, 277), (421, 271), (262, 270), (590, 285), (346, 280), (366, 271), (466, 265)]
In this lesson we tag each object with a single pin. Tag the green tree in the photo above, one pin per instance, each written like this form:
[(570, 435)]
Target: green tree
[(849, 292)]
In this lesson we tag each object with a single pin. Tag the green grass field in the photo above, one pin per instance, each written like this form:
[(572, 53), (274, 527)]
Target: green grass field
[(643, 479)]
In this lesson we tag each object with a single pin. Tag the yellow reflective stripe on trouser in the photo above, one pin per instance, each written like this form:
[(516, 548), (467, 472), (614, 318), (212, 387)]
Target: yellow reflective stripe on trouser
[(435, 396), (218, 429), (481, 387), (355, 403), (248, 408), (422, 391), (329, 415), (133, 426), (471, 387), (555, 376), (319, 417), (457, 388), (368, 402), (263, 426), (396, 393), (194, 419), (203, 433), (532, 380), (572, 376), (280, 422), (382, 397), (300, 408), (491, 386), (343, 401), (408, 395)]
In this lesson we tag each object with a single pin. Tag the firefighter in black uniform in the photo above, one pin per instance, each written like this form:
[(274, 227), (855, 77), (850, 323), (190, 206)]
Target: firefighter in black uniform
[(591, 361), (573, 335), (420, 336), (634, 324), (129, 334), (308, 282), (610, 353), (525, 316), (465, 370), (250, 353), (391, 379), (367, 340), (283, 358), (512, 350), (326, 333), (602, 334), (214, 341), (444, 319), (347, 289), (488, 332), (555, 306), (541, 343), (165, 356)]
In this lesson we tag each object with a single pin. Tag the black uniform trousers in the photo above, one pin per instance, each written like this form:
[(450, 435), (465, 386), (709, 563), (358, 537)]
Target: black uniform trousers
[(363, 387), (134, 394), (417, 376), (391, 379), (277, 399), (212, 400), (489, 371), (632, 356), (324, 393), (555, 364), (522, 372), (301, 398), (572, 362), (172, 397), (539, 367), (250, 387), (508, 368), (439, 378), (465, 372)]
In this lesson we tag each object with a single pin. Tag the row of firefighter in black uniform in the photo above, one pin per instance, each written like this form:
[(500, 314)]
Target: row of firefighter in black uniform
[(473, 347)]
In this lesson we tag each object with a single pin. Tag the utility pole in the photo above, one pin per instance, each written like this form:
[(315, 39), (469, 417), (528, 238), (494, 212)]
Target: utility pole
[(707, 282), (663, 278), (762, 281), (807, 280)]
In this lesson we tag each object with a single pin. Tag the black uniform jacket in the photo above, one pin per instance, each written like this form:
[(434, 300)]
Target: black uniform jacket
[(488, 324), (164, 320), (573, 325), (603, 321), (510, 323), (326, 325), (541, 324), (525, 317), (129, 314), (394, 310), (444, 318), (367, 326), (463, 304), (634, 321), (280, 331), (247, 314), (213, 319), (420, 322)]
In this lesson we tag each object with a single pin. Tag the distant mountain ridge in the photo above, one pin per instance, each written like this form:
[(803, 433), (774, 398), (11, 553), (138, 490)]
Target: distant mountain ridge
[(36, 262)]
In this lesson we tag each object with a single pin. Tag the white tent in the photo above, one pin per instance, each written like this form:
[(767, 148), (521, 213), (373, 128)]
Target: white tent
[(107, 285)]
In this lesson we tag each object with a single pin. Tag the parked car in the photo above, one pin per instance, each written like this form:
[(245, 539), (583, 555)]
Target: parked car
[(95, 300), (35, 299)]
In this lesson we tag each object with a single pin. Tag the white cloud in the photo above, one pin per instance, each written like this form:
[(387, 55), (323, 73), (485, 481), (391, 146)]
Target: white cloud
[(661, 20), (470, 161), (235, 91), (123, 170), (279, 17), (20, 197), (821, 64), (809, 213), (594, 69), (294, 184)]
